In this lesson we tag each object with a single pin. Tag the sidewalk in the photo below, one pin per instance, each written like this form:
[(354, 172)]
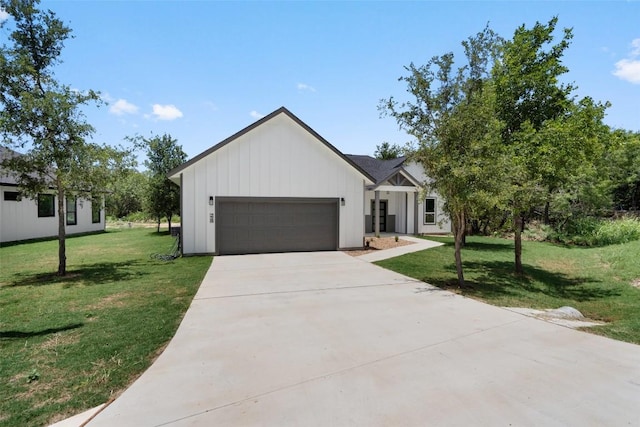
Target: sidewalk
[(418, 245)]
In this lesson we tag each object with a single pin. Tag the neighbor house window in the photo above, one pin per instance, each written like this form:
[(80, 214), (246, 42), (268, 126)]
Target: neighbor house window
[(430, 210), (11, 196), (72, 210), (46, 205), (95, 211)]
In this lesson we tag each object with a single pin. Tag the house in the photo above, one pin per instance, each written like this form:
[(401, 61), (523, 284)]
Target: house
[(22, 218), (278, 186), (404, 205)]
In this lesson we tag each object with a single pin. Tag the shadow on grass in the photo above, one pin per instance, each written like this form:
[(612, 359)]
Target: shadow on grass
[(7, 335), (496, 279), (50, 239), (90, 274)]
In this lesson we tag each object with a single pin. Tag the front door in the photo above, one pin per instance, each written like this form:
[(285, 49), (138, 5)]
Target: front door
[(383, 215)]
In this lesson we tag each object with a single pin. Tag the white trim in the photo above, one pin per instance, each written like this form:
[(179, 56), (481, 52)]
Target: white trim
[(393, 188), (435, 211)]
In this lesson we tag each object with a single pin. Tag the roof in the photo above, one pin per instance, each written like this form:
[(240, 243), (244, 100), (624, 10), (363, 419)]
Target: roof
[(281, 110), (381, 170), (7, 176)]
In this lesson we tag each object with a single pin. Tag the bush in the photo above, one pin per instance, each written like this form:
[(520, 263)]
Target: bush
[(589, 231)]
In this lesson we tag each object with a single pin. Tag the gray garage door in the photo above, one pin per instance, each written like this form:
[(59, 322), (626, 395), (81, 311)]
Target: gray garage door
[(260, 225)]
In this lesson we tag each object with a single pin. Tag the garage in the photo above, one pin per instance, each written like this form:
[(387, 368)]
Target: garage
[(249, 225)]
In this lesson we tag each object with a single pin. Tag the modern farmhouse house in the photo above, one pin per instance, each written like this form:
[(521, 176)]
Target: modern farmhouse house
[(278, 186), (22, 218)]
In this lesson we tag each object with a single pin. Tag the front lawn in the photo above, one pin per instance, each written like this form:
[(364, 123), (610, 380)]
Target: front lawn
[(68, 344), (596, 281)]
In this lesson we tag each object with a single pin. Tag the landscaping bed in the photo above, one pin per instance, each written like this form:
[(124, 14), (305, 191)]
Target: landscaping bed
[(379, 243)]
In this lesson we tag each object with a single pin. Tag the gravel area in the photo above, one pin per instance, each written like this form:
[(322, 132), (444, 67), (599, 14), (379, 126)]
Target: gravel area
[(379, 243)]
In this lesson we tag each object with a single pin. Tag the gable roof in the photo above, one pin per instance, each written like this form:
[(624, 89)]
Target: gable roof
[(382, 170), (281, 110), (7, 176)]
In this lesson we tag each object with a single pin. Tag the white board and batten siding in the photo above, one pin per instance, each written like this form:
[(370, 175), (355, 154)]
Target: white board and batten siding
[(19, 219), (443, 222), (278, 158)]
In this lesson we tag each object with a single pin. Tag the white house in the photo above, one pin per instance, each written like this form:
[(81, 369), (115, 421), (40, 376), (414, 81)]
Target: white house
[(22, 218), (278, 186)]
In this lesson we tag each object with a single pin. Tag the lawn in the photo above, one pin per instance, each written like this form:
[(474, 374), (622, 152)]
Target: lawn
[(68, 344), (596, 281)]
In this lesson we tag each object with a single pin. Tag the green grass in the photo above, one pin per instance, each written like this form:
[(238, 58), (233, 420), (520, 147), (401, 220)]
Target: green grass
[(596, 281), (68, 344)]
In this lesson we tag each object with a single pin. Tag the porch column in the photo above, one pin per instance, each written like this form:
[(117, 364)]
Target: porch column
[(376, 219)]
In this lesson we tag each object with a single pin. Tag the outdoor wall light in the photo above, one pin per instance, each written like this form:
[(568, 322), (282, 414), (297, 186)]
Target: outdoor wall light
[(210, 200), (342, 201)]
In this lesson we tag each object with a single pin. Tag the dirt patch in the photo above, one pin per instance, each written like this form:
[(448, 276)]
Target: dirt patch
[(636, 283), (115, 300), (557, 265), (58, 340), (379, 243)]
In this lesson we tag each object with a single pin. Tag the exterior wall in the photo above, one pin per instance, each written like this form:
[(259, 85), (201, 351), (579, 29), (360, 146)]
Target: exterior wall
[(396, 210), (443, 222), (19, 219), (276, 159)]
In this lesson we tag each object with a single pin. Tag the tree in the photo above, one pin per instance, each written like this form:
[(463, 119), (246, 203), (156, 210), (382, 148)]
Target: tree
[(546, 132), (126, 193), (624, 161), (43, 116), (387, 151), (163, 196), (452, 117)]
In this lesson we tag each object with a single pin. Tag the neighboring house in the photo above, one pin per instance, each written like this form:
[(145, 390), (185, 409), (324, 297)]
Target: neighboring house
[(278, 186), (22, 218)]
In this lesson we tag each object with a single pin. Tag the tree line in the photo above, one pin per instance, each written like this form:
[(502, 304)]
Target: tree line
[(504, 140)]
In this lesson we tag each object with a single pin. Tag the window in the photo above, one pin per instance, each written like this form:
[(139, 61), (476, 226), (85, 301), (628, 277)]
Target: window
[(95, 210), (46, 205), (72, 212), (430, 210), (11, 196)]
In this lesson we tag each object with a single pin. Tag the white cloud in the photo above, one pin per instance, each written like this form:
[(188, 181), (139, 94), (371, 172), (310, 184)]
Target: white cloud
[(629, 68), (635, 44), (211, 105), (122, 106), (166, 112), (304, 86), (256, 115), (3, 15)]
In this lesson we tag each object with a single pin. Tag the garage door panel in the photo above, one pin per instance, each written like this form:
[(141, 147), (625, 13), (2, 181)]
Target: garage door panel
[(278, 225)]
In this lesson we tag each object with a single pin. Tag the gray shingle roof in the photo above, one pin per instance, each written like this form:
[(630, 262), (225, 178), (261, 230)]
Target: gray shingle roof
[(6, 176), (379, 169)]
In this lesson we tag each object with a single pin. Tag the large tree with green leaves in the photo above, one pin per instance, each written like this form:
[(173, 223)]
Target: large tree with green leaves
[(451, 114), (548, 134), (44, 117), (163, 196)]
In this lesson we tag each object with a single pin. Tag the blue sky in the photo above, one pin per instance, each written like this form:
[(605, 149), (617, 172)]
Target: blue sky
[(202, 70)]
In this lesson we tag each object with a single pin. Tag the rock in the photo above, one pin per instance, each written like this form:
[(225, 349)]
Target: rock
[(565, 312)]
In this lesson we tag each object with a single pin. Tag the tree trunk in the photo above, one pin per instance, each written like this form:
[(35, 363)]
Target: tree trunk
[(459, 228), (62, 249), (158, 227), (517, 238), (546, 213), (169, 221)]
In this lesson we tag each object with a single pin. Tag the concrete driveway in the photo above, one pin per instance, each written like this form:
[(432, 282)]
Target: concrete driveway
[(324, 339)]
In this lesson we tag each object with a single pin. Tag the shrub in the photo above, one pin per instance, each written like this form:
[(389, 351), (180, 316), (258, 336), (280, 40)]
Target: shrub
[(589, 231)]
